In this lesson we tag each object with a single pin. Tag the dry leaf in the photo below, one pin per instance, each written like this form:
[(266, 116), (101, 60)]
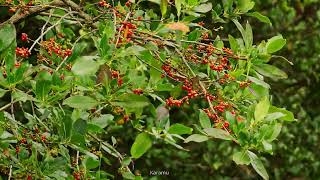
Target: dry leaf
[(178, 26)]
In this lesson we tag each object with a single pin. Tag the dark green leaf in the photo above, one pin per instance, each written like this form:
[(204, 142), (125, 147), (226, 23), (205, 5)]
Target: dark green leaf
[(80, 126), (7, 36), (141, 145)]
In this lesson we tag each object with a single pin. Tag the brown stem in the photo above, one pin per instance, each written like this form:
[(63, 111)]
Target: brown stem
[(33, 10)]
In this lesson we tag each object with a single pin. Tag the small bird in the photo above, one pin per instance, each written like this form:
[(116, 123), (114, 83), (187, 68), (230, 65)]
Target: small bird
[(103, 74)]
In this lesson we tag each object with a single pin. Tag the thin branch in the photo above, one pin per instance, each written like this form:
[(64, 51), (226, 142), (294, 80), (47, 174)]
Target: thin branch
[(48, 29), (34, 10)]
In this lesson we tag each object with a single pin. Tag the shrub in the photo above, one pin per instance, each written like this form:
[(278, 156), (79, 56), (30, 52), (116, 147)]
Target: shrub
[(100, 85)]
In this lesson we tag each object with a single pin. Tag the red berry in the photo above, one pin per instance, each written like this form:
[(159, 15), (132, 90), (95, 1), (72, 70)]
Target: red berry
[(23, 52), (24, 37), (17, 149), (138, 91), (67, 52), (226, 124), (120, 82), (128, 3), (43, 138), (17, 64), (126, 118), (114, 74), (23, 141)]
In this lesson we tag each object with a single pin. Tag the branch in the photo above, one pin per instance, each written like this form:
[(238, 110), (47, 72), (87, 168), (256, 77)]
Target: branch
[(77, 8), (33, 10)]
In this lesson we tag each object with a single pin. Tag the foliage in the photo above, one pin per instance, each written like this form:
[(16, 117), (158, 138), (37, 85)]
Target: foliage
[(109, 89)]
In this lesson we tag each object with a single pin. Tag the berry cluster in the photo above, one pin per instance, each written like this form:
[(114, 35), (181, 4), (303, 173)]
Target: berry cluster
[(22, 5), (127, 31), (116, 75), (138, 91), (27, 135), (52, 46), (173, 102), (103, 3), (23, 52), (244, 84)]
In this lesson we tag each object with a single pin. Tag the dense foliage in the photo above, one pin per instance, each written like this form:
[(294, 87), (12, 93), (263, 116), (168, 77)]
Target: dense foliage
[(141, 89)]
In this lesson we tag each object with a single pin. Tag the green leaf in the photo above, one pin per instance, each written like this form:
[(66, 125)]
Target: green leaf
[(245, 5), (276, 129), (42, 89), (233, 43), (204, 119), (218, 133), (179, 129), (7, 36), (9, 55), (249, 36), (259, 82), (85, 66), (262, 109), (288, 115), (267, 146), (164, 7), (141, 145), (274, 116), (128, 175), (81, 102), (241, 158), (103, 120), (80, 126), (91, 163), (2, 92), (275, 44), (196, 138), (203, 8), (131, 102), (178, 6), (270, 71), (240, 28), (260, 17), (257, 165)]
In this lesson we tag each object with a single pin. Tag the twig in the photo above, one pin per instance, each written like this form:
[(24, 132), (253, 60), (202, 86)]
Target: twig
[(48, 29), (82, 14), (18, 16), (74, 44), (44, 26), (10, 172)]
